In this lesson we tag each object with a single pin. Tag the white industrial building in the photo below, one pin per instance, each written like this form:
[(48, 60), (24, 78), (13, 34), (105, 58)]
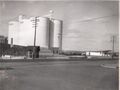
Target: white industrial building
[(48, 32)]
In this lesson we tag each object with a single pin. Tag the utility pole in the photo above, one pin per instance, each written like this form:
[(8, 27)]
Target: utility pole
[(35, 25), (51, 28), (60, 38), (113, 45)]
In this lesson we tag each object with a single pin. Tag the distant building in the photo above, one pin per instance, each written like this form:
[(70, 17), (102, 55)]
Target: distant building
[(3, 39), (48, 32), (3, 44)]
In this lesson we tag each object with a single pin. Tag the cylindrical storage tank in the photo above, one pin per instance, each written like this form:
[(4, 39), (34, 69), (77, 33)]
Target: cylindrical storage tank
[(42, 32), (26, 34), (57, 34)]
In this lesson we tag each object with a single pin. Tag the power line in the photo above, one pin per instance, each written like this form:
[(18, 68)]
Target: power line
[(91, 19)]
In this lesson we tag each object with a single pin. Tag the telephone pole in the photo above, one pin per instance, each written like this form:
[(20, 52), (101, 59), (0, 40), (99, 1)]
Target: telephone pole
[(35, 25), (113, 45)]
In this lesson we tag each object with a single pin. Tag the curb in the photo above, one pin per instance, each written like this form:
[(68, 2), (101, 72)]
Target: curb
[(114, 66)]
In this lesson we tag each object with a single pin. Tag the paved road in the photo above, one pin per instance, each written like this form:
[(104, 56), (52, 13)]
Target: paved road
[(60, 75)]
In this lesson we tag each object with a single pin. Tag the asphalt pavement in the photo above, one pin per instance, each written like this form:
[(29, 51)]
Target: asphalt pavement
[(59, 75)]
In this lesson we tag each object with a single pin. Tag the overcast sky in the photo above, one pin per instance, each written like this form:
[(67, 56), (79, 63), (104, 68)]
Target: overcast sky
[(87, 25)]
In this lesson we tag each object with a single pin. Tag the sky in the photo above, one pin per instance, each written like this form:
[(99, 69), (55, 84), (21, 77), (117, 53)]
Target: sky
[(87, 25)]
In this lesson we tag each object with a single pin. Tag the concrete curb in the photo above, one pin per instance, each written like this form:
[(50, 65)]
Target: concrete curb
[(110, 66), (47, 59)]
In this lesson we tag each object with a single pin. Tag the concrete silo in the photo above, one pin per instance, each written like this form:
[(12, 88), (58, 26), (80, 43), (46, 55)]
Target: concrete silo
[(42, 32), (26, 33), (57, 34)]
